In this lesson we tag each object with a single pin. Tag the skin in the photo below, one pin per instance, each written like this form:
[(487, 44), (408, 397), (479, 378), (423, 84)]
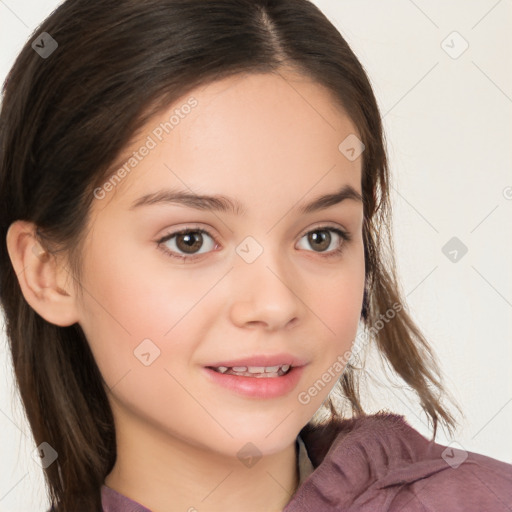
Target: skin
[(270, 141)]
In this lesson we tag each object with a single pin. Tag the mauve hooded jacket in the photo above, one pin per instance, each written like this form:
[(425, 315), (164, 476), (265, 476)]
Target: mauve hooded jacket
[(379, 463)]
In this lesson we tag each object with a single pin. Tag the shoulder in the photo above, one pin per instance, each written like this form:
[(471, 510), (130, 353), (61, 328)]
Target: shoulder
[(380, 462), (429, 476)]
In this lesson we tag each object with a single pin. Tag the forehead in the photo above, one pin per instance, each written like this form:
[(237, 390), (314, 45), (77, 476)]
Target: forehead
[(243, 136)]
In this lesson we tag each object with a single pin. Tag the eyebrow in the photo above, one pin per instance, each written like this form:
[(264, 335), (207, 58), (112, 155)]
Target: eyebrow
[(226, 204)]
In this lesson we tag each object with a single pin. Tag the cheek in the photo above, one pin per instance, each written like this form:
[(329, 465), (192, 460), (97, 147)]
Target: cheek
[(341, 305), (134, 306), (339, 301), (337, 305), (141, 323)]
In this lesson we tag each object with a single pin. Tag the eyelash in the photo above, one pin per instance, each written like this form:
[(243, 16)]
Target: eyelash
[(344, 235)]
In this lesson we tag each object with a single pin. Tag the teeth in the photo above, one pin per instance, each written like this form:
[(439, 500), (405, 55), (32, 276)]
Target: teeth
[(258, 371)]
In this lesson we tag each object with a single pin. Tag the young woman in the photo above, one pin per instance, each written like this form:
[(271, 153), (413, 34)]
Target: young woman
[(195, 224)]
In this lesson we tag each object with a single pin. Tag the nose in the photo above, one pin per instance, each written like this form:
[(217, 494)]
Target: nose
[(263, 294)]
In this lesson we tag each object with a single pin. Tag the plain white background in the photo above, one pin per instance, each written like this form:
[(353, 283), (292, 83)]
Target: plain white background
[(448, 121)]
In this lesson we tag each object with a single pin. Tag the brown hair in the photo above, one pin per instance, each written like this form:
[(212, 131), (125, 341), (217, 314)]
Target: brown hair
[(66, 118)]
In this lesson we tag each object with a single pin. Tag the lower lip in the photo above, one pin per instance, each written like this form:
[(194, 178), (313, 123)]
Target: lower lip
[(262, 387)]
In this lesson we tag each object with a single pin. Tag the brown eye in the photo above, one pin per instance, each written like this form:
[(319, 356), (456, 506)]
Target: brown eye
[(189, 242), (320, 241), (186, 243)]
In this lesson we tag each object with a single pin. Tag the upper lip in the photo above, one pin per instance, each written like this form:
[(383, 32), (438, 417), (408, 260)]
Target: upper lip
[(262, 360)]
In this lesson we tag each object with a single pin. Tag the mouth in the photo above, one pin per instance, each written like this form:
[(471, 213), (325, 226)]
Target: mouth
[(257, 372), (257, 382)]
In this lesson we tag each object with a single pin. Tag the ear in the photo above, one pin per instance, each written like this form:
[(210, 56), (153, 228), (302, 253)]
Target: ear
[(45, 284)]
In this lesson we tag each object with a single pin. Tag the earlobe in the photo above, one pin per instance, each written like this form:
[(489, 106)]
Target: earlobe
[(39, 276)]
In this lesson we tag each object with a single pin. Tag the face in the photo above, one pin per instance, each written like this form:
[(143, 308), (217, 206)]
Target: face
[(269, 278)]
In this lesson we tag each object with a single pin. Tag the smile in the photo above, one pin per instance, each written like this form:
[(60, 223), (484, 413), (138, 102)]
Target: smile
[(272, 382)]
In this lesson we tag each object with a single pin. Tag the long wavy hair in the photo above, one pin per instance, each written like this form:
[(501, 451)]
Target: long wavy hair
[(64, 121)]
